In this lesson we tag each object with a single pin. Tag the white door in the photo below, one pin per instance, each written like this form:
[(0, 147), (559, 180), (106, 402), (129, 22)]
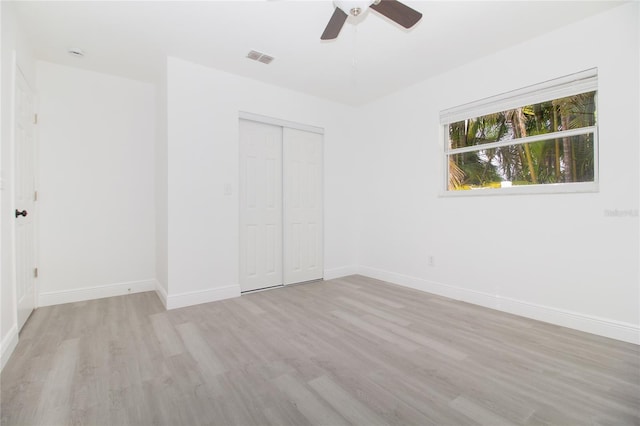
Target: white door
[(303, 230), (24, 192), (260, 205)]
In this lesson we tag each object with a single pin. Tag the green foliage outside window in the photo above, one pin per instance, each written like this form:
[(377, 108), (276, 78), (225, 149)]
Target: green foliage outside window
[(559, 159)]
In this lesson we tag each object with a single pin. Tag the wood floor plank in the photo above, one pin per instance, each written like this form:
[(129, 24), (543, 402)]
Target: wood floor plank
[(375, 332), (480, 414), (202, 353), (309, 405), (421, 339), (365, 295), (246, 303), (348, 351), (54, 403), (428, 400), (165, 333), (373, 311), (345, 404)]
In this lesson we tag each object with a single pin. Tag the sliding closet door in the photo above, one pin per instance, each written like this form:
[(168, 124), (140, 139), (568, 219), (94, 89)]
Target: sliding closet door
[(303, 247), (260, 205)]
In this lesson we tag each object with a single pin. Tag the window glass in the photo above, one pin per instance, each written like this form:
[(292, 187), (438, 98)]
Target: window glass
[(560, 160), (571, 112)]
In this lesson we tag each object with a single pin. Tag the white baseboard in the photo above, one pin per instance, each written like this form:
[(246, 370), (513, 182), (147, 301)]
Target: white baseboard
[(452, 292), (8, 345), (343, 271), (97, 292), (162, 293), (613, 329), (181, 300)]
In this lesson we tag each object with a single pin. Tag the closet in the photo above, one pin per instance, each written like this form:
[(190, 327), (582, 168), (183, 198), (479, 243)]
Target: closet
[(281, 223)]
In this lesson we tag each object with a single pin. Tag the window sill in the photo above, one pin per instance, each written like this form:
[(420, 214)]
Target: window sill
[(556, 188)]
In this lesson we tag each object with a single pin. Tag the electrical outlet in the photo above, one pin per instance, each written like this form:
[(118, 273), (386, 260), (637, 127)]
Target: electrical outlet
[(432, 261)]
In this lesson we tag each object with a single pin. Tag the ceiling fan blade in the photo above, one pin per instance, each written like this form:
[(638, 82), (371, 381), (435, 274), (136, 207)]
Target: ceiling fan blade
[(398, 12), (335, 25)]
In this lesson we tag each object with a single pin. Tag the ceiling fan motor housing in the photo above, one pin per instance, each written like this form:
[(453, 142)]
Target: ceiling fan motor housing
[(394, 10), (353, 7)]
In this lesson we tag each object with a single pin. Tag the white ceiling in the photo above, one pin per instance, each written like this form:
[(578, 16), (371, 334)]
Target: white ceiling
[(372, 56)]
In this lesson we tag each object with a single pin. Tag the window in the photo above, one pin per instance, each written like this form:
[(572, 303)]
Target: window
[(542, 138)]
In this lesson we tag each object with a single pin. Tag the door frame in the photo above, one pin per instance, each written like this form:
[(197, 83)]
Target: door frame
[(244, 115)]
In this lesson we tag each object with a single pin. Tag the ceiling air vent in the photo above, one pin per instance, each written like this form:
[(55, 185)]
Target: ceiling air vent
[(260, 57), (265, 59)]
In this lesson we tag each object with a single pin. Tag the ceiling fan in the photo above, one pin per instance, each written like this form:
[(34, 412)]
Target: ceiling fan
[(392, 9)]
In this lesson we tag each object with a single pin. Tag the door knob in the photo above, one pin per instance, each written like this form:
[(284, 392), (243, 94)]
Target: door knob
[(22, 213)]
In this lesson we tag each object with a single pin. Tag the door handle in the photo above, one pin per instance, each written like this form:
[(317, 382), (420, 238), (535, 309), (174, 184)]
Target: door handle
[(22, 213)]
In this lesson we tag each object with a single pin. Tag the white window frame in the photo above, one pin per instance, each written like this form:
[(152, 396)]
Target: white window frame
[(573, 84)]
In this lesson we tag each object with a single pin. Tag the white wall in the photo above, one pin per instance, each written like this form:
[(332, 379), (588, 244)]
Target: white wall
[(14, 44), (554, 257), (203, 108), (96, 192)]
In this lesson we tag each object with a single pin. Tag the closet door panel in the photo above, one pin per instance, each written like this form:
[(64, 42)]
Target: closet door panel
[(260, 205), (303, 220)]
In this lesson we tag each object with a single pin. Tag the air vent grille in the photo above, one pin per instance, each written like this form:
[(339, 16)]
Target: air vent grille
[(260, 57), (254, 55)]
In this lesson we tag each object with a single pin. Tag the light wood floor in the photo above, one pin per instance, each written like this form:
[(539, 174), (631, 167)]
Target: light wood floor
[(346, 351)]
